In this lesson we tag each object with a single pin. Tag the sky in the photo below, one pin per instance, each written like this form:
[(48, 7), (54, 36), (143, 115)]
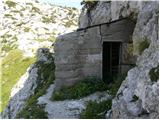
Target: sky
[(69, 3)]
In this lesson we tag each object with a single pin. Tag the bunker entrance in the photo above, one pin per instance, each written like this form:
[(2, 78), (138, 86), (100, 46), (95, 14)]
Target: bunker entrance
[(111, 60)]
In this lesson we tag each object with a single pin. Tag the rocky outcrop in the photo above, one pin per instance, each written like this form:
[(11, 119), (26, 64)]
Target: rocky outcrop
[(26, 24)]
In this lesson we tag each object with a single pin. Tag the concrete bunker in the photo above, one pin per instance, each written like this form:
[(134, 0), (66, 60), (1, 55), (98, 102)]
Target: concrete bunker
[(100, 51)]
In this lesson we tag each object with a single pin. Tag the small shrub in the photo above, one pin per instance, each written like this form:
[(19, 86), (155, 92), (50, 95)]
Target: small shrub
[(46, 19), (154, 74), (33, 112), (20, 24), (6, 48), (96, 110), (89, 4), (35, 9), (7, 15), (143, 45), (134, 98), (80, 90), (69, 23), (26, 29), (51, 39), (10, 3)]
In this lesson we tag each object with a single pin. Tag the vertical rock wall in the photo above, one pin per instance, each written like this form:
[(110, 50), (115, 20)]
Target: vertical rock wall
[(138, 83)]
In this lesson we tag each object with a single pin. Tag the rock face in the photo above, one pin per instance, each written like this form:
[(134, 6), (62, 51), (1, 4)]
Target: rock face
[(138, 82), (138, 94)]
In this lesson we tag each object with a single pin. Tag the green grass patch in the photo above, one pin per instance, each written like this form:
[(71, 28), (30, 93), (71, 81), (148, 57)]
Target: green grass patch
[(14, 66), (45, 78), (80, 89), (88, 86), (96, 110), (154, 74), (143, 45)]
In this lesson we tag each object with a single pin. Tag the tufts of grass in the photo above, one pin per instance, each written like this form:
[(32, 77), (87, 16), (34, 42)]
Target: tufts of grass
[(10, 3), (96, 110), (6, 48), (14, 66), (80, 90), (45, 78), (47, 19), (143, 45), (154, 74), (26, 29), (69, 23), (51, 39)]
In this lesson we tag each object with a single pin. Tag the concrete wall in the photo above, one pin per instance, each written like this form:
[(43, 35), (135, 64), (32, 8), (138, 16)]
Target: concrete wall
[(78, 55)]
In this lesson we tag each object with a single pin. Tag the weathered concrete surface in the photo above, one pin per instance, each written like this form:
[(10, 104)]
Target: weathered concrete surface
[(77, 55)]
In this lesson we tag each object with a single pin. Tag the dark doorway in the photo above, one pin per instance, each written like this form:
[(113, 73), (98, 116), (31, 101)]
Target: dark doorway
[(111, 54)]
